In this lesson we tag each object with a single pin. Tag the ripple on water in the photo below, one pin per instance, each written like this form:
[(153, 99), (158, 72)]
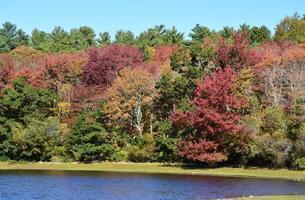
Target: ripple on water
[(23, 185)]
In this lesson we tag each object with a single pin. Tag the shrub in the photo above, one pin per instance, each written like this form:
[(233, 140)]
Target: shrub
[(4, 158), (36, 141), (143, 152), (270, 144), (119, 155), (298, 149), (91, 152), (60, 154), (299, 163), (138, 154), (166, 148)]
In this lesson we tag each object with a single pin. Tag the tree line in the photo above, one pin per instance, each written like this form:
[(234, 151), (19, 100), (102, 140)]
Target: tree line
[(77, 39), (232, 97)]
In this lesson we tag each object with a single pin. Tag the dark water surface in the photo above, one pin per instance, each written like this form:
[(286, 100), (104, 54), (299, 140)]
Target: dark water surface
[(68, 185)]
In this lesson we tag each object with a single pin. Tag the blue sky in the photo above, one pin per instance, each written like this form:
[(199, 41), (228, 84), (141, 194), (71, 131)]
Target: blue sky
[(138, 15)]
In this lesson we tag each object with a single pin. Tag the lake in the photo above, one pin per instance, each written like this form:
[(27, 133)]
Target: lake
[(24, 184)]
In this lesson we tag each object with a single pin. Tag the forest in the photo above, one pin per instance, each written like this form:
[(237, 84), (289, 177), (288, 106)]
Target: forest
[(231, 97)]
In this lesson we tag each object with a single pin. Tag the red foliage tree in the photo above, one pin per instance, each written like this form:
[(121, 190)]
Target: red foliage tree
[(160, 62), (280, 53), (200, 150), (163, 53), (104, 63), (85, 97), (214, 115), (53, 70), (237, 54), (7, 69), (64, 68), (35, 76), (152, 68)]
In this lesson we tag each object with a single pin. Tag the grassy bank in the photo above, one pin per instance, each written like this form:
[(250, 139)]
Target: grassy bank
[(283, 197), (159, 168)]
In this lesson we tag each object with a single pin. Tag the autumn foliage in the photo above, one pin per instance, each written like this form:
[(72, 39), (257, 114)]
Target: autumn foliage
[(215, 113), (7, 70), (163, 53), (129, 99), (217, 97), (238, 54), (280, 53), (104, 63)]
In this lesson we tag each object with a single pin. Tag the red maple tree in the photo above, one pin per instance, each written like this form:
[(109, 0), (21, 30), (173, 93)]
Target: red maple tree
[(237, 54), (53, 70), (7, 69), (104, 63), (215, 113)]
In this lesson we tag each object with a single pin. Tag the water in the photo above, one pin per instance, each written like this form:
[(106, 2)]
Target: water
[(67, 185)]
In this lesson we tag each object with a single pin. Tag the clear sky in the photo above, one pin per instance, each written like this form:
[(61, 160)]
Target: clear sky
[(138, 15)]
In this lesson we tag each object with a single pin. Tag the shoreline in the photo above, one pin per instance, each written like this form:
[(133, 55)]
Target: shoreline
[(270, 197), (158, 168)]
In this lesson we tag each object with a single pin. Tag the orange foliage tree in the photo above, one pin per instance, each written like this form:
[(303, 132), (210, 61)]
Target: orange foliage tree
[(160, 62), (282, 70), (130, 98)]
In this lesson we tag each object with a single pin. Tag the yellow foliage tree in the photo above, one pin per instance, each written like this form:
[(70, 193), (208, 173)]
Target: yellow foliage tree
[(130, 98)]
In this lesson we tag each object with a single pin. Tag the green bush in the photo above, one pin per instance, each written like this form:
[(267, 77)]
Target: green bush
[(137, 154), (143, 152), (91, 152), (269, 151), (61, 159), (299, 163), (36, 141), (24, 108), (166, 141), (119, 155), (61, 154), (274, 122), (166, 149), (4, 158), (270, 144)]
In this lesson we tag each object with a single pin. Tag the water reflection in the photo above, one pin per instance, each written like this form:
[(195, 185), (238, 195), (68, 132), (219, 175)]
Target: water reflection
[(19, 185)]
